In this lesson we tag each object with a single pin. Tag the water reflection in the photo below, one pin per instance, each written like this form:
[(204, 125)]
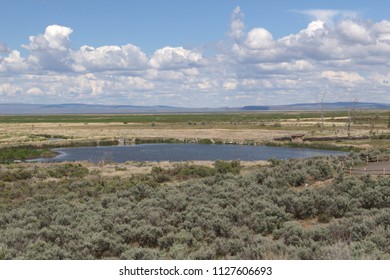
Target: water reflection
[(183, 152)]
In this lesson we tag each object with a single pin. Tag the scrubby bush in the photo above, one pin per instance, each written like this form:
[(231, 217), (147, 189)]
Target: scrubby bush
[(140, 254), (67, 170), (159, 175), (14, 175), (61, 211), (320, 169), (205, 141), (192, 171), (292, 234), (224, 167)]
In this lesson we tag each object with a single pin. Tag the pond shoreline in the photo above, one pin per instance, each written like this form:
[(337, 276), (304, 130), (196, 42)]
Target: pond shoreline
[(48, 149), (178, 152)]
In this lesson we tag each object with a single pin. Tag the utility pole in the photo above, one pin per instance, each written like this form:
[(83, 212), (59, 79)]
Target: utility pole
[(321, 102)]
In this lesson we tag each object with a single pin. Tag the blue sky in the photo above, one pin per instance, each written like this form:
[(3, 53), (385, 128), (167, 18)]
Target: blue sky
[(194, 53)]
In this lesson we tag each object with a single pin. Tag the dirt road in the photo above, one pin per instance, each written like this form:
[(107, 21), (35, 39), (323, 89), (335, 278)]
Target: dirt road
[(374, 168)]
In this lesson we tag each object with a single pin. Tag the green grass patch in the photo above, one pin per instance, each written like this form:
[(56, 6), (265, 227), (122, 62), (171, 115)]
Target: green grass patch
[(10, 154), (201, 118), (314, 145)]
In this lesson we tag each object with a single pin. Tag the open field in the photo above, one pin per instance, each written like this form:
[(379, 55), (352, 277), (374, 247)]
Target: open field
[(240, 128), (277, 209), (167, 118)]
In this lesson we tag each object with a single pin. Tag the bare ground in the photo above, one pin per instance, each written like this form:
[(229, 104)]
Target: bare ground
[(139, 168), (374, 168), (22, 133)]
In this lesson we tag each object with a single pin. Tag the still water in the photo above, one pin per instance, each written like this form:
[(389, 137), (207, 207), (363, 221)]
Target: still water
[(182, 152)]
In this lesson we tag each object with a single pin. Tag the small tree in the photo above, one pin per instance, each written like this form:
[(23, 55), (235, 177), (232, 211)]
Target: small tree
[(352, 115)]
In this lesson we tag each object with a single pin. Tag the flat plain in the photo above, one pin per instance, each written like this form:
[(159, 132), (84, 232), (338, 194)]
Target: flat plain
[(277, 209), (241, 128)]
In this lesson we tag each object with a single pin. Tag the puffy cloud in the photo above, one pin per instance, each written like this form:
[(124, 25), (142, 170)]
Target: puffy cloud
[(354, 32), (126, 85), (259, 38), (204, 84), (230, 85), (354, 41), (384, 38), (9, 89), (314, 29), (13, 63), (50, 50), (286, 67), (128, 57), (237, 25), (342, 77), (257, 47), (34, 91), (337, 51), (316, 42), (174, 58), (381, 31), (56, 37), (382, 80), (381, 27)]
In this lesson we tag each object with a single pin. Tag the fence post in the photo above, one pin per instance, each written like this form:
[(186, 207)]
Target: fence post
[(365, 170), (350, 171), (367, 159), (384, 171)]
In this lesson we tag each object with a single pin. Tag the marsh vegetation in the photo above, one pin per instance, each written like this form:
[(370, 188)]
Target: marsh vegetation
[(255, 128)]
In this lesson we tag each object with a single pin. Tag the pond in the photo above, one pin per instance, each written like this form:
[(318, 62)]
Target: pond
[(182, 152)]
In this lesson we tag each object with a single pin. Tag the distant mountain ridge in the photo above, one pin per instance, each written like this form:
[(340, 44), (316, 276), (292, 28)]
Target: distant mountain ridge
[(81, 108), (317, 106)]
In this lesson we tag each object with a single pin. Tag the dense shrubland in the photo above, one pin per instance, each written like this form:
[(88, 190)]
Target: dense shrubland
[(295, 209)]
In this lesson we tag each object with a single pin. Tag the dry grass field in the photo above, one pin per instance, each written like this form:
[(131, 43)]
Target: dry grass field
[(259, 128)]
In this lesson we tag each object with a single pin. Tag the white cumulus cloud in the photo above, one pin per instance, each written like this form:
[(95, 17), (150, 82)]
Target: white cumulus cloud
[(354, 32), (13, 63), (230, 85), (128, 57), (237, 24), (56, 37), (343, 77), (173, 58), (9, 89), (51, 49), (336, 50), (34, 91), (259, 38)]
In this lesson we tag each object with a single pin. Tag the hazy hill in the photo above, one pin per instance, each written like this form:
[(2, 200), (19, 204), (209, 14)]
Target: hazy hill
[(316, 106), (76, 108), (32, 109)]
